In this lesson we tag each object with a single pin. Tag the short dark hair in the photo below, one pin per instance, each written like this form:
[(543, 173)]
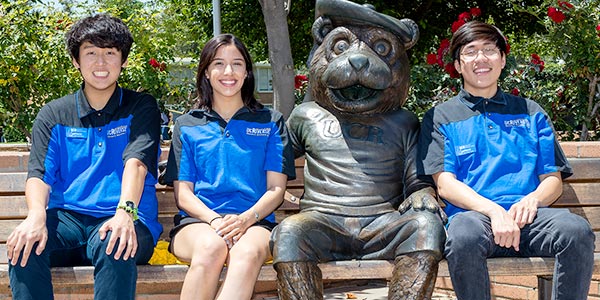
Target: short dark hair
[(476, 30), (204, 89), (102, 31)]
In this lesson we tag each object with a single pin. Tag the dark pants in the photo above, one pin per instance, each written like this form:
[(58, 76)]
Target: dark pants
[(73, 239), (554, 233)]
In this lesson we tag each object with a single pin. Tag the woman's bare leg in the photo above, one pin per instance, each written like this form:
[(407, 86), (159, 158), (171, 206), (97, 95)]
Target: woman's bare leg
[(206, 252), (246, 258)]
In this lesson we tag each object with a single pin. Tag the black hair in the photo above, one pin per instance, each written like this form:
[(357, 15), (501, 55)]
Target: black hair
[(476, 30), (204, 89), (102, 31)]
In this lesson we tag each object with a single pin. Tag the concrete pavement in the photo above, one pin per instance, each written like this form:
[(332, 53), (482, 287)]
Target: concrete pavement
[(375, 290)]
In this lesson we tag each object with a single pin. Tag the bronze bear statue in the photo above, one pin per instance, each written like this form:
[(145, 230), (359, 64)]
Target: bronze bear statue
[(363, 199)]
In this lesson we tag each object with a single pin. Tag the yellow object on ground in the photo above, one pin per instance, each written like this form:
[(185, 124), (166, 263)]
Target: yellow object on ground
[(162, 256)]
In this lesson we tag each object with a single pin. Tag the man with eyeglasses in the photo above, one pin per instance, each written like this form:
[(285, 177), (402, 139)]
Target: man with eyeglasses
[(498, 166)]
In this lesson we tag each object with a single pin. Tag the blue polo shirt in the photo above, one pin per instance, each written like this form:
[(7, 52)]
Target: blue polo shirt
[(228, 162), (498, 146), (80, 152)]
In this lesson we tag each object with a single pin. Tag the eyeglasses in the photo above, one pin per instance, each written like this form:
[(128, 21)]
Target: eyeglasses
[(471, 54)]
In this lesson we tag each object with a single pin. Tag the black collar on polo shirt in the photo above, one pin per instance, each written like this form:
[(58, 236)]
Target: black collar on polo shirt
[(84, 109), (472, 101)]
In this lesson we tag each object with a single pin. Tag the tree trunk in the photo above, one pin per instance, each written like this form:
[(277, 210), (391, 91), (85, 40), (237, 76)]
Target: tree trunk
[(280, 55), (592, 108)]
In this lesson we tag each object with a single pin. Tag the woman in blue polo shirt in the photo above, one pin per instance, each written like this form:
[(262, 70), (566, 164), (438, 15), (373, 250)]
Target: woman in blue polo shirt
[(229, 163)]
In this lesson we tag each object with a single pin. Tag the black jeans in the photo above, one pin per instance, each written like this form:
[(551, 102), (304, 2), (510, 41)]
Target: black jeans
[(554, 233)]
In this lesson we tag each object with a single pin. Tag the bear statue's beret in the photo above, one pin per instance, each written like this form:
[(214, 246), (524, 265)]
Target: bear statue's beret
[(346, 12)]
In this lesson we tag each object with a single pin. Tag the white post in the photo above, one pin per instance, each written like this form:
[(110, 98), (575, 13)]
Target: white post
[(216, 17)]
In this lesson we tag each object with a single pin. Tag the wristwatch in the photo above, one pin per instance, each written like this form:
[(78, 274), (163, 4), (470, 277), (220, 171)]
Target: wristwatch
[(130, 208)]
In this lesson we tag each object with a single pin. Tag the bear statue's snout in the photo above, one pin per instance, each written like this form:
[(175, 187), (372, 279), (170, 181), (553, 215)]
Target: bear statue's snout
[(358, 61)]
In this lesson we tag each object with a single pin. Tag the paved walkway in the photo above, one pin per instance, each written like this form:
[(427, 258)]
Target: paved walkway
[(371, 291)]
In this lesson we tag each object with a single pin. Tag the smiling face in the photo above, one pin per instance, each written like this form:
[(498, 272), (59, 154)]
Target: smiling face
[(480, 64), (226, 73), (99, 67)]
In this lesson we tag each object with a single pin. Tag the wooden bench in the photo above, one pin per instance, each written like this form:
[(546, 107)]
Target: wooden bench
[(581, 195)]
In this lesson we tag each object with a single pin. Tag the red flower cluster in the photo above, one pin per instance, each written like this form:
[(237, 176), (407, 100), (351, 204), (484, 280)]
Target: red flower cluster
[(465, 17), (155, 64), (450, 69), (515, 91), (431, 59), (598, 29), (537, 62), (555, 14), (444, 48), (300, 80)]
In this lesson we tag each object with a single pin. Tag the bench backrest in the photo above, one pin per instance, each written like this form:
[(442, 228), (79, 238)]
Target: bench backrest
[(581, 194)]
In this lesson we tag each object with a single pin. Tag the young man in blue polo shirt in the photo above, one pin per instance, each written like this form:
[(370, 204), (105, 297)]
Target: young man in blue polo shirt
[(92, 171), (498, 166)]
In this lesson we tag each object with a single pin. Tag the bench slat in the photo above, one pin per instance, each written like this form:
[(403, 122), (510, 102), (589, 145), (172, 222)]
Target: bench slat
[(584, 169), (579, 193), (6, 227), (13, 182), (12, 207)]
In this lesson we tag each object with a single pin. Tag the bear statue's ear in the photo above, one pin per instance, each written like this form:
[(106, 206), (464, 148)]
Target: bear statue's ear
[(410, 32), (320, 28)]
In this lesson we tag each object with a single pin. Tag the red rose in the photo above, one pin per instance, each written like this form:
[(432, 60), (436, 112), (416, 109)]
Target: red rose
[(475, 12), (515, 91), (449, 68), (598, 29), (556, 15), (457, 24), (440, 58), (445, 44), (442, 50), (536, 60), (431, 59), (299, 80), (154, 63), (507, 46), (466, 16)]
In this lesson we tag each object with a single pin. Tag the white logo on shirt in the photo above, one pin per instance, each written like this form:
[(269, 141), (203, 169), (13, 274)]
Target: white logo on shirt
[(516, 123), (117, 131), (465, 149), (258, 131)]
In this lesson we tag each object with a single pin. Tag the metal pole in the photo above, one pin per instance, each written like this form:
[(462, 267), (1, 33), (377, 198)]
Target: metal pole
[(216, 17)]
